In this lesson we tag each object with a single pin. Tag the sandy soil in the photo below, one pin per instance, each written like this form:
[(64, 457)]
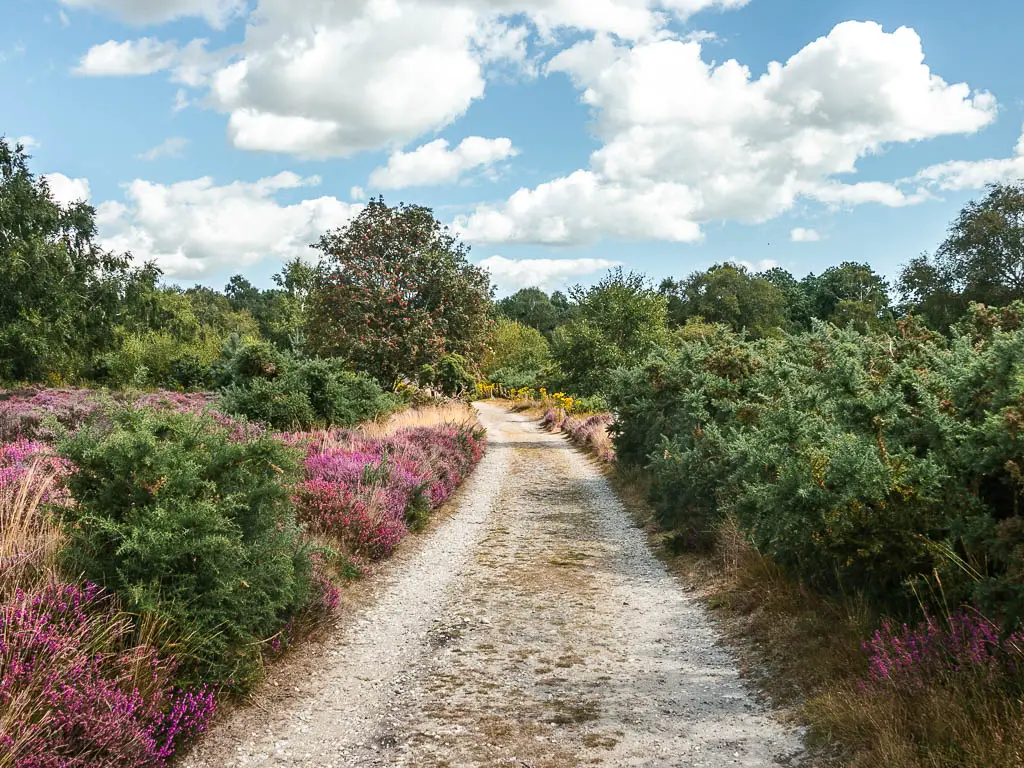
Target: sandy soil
[(532, 628)]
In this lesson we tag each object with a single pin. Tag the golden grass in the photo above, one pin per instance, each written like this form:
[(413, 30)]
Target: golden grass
[(458, 414), (29, 537)]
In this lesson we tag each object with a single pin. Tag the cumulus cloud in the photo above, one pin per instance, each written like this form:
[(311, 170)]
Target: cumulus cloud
[(170, 147), (512, 274), (802, 235), (958, 175), (435, 163), (66, 190), (720, 145), (758, 266), (132, 57), (582, 207), (321, 80), (194, 227), (191, 65), (217, 13)]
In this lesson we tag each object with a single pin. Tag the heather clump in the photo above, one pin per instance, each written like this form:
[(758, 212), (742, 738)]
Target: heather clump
[(77, 690), (367, 492), (33, 414), (930, 652)]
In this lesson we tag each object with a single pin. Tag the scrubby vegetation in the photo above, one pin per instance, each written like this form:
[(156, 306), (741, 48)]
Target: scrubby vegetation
[(167, 531), (862, 457)]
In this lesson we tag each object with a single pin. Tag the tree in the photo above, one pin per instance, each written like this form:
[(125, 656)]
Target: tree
[(515, 348), (394, 292), (619, 321), (848, 293), (532, 307), (981, 260), (61, 297), (728, 294)]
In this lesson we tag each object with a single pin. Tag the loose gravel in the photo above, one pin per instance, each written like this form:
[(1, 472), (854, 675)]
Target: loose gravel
[(534, 628)]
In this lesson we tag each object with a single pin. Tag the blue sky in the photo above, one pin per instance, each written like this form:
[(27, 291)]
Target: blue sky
[(624, 131)]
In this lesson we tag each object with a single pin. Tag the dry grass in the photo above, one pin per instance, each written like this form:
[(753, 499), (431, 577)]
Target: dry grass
[(458, 414), (29, 537)]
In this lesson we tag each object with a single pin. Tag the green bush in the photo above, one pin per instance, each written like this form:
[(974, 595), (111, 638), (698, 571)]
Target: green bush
[(274, 403), (188, 524), (293, 393), (886, 465)]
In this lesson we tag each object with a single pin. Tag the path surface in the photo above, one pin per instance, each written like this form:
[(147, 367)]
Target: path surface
[(534, 628)]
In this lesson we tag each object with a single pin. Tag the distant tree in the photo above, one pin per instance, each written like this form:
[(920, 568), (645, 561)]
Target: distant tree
[(981, 260), (532, 307), (619, 321), (848, 293), (395, 292), (513, 346), (729, 294), (61, 296), (794, 294)]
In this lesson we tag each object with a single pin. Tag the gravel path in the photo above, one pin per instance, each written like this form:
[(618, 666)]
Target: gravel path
[(533, 628)]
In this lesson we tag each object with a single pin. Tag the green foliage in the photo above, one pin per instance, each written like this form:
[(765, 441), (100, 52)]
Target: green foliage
[(395, 292), (730, 295), (619, 321), (981, 260), (286, 392), (184, 522), (514, 346), (881, 464), (61, 297), (534, 308), (452, 375)]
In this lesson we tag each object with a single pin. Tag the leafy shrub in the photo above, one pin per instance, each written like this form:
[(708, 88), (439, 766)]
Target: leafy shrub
[(271, 402), (290, 393), (864, 463), (185, 522), (77, 691)]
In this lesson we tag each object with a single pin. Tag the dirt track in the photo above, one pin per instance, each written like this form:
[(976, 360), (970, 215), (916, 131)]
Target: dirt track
[(534, 628)]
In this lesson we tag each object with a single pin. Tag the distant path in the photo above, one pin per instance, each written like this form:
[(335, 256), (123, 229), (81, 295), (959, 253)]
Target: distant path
[(534, 628)]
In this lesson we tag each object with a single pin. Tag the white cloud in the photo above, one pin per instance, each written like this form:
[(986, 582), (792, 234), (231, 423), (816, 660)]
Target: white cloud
[(170, 147), (320, 80), (180, 100), (581, 208), (435, 163), (132, 57), (66, 190), (958, 175), (802, 235), (194, 227), (512, 274), (191, 65), (217, 13), (64, 20), (357, 193), (758, 266), (721, 145), (28, 142)]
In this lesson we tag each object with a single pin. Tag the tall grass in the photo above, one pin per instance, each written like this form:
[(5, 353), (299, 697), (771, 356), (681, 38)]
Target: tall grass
[(29, 536)]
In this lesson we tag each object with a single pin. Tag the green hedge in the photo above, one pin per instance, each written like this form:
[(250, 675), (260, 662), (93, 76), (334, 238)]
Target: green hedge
[(885, 465)]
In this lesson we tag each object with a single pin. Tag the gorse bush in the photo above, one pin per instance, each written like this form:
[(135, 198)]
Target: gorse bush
[(292, 393), (860, 463), (184, 520)]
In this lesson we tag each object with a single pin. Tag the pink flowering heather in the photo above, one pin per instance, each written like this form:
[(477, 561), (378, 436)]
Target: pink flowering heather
[(75, 693), (364, 490), (23, 414), (590, 433), (966, 642), (23, 460)]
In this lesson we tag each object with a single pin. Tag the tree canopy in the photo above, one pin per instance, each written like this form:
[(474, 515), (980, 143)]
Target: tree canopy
[(395, 293)]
